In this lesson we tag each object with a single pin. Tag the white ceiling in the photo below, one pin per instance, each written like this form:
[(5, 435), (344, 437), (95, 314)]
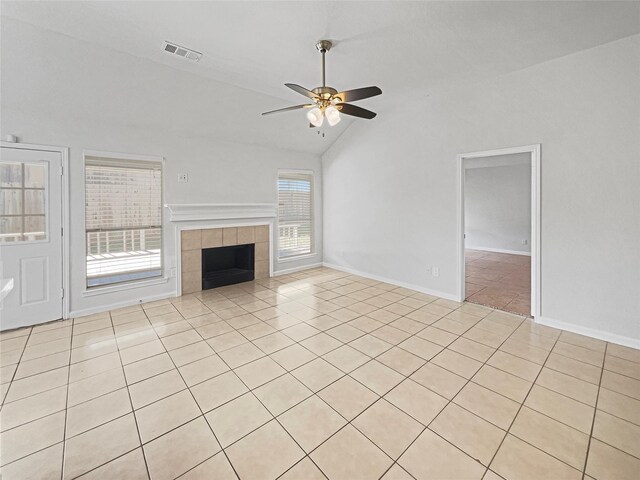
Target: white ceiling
[(402, 47)]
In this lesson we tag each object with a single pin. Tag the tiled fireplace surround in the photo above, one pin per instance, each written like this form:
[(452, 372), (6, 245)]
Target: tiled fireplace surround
[(193, 241)]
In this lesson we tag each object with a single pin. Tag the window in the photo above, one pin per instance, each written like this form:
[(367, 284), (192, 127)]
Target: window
[(22, 202), (295, 214), (123, 220)]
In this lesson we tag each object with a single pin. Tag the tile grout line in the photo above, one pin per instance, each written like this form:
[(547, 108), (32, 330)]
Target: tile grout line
[(146, 465), (66, 407), (298, 462), (4, 400), (595, 413)]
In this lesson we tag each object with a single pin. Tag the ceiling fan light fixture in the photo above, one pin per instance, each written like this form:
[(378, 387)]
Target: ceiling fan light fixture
[(327, 101), (315, 117), (333, 115)]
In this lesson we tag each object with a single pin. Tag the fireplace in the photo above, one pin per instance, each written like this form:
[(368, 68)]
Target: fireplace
[(227, 265), (194, 242)]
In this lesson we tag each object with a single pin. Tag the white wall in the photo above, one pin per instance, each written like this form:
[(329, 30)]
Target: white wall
[(390, 189), (60, 91), (497, 207)]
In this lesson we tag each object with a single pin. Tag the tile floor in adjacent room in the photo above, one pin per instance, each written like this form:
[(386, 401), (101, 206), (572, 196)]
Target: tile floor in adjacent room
[(498, 280), (313, 375)]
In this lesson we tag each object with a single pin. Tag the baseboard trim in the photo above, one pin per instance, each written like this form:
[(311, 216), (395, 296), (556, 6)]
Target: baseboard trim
[(113, 306), (498, 250), (590, 332), (398, 283), (296, 269)]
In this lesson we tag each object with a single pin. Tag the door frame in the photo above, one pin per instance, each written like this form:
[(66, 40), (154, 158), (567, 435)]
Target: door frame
[(64, 156), (536, 283)]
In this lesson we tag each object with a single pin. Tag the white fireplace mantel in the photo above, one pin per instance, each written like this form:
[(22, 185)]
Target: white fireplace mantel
[(184, 212)]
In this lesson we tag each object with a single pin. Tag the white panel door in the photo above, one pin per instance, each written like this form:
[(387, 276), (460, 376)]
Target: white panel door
[(30, 237)]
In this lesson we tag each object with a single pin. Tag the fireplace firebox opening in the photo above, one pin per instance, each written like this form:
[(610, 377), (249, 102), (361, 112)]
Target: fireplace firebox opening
[(227, 265)]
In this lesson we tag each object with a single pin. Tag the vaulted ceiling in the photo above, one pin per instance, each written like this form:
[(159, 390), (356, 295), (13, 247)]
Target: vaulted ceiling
[(403, 47)]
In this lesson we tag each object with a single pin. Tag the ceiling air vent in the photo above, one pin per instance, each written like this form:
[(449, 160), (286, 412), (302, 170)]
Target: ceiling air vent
[(182, 51)]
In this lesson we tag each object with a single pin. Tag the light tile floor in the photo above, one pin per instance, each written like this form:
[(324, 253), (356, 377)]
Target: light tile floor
[(498, 280), (313, 375)]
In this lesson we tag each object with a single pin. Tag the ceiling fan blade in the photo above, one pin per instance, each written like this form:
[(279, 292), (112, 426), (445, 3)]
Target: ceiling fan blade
[(355, 111), (296, 107), (358, 94), (301, 90)]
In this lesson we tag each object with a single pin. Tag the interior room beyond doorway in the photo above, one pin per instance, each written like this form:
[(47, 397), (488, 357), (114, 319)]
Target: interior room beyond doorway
[(497, 210), (499, 280)]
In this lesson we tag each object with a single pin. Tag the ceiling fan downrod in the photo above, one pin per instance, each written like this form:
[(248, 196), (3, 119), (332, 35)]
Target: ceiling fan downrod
[(323, 47)]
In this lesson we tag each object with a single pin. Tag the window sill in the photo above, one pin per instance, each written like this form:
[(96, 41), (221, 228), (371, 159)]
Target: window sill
[(93, 291), (297, 257)]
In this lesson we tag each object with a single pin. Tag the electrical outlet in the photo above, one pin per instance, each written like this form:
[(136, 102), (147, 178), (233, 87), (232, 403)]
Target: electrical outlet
[(435, 271), (525, 242), (183, 178)]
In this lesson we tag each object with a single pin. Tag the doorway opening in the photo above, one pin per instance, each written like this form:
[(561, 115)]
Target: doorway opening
[(499, 229)]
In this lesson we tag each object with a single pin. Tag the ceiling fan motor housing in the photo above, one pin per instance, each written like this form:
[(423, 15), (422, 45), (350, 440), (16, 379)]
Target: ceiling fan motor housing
[(325, 92)]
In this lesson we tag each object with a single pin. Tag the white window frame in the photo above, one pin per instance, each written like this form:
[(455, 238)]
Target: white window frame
[(46, 206), (312, 252), (123, 158)]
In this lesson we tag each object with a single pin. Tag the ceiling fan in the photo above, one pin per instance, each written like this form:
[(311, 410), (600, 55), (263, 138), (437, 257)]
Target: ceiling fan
[(327, 101)]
